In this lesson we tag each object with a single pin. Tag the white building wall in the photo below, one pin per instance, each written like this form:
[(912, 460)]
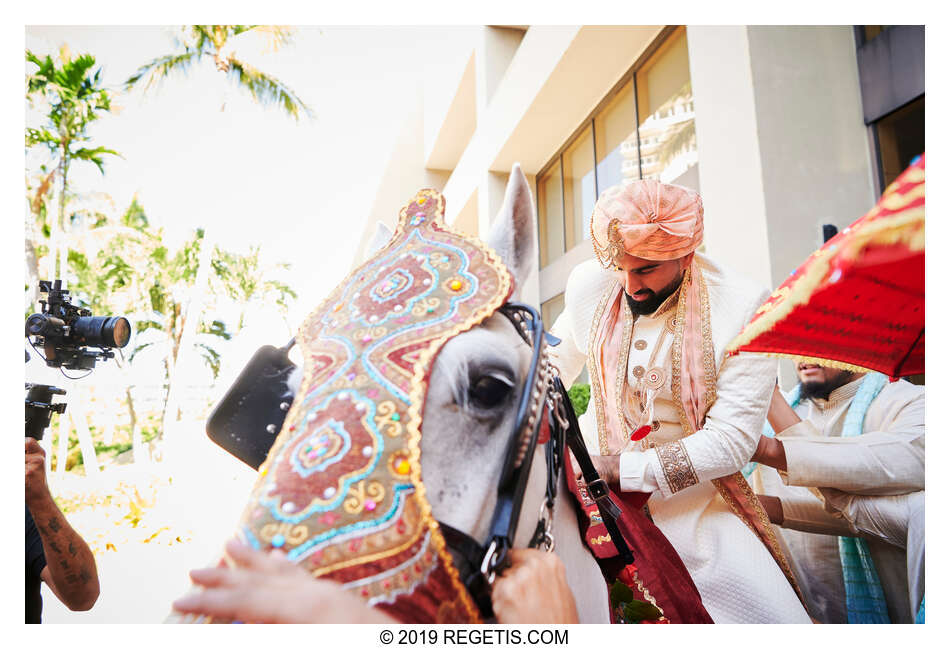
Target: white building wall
[(815, 158), (727, 138)]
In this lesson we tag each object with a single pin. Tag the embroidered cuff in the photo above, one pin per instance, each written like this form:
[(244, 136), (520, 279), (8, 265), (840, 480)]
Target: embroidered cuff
[(677, 467)]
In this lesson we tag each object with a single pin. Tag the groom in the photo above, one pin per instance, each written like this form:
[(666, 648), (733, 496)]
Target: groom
[(671, 417)]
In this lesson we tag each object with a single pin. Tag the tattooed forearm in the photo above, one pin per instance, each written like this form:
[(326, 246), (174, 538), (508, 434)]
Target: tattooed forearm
[(71, 567)]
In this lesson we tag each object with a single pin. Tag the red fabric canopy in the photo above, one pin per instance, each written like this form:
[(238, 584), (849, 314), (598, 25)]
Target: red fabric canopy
[(857, 303)]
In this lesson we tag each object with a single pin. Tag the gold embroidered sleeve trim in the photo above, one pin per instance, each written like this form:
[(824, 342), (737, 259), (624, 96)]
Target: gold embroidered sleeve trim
[(710, 375), (677, 354), (594, 370), (621, 383), (676, 465)]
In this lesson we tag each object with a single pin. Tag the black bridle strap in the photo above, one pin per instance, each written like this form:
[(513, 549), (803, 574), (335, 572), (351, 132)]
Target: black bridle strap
[(596, 486)]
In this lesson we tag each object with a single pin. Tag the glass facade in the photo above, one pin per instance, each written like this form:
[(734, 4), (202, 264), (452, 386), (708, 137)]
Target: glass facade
[(666, 126), (580, 190), (644, 129), (551, 207), (618, 157)]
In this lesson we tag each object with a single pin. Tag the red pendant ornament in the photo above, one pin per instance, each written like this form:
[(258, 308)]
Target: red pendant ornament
[(640, 433)]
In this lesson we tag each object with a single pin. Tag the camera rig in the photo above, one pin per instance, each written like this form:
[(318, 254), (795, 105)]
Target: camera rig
[(64, 330)]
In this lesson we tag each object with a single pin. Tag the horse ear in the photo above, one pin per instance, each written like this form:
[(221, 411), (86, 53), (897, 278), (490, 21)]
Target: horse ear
[(380, 238), (512, 234)]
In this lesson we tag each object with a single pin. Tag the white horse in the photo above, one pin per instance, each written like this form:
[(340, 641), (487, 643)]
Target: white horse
[(469, 416)]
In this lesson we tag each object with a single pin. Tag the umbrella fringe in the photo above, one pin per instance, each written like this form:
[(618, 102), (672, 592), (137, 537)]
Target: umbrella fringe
[(899, 229), (817, 360)]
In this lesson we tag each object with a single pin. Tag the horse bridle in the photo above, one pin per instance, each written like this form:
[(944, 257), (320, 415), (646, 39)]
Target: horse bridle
[(542, 395)]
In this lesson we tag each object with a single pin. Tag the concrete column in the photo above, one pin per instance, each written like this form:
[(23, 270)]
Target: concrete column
[(496, 47), (730, 165), (816, 164)]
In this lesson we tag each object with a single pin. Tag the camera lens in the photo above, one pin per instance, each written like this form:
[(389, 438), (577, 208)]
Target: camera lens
[(103, 331), (119, 331)]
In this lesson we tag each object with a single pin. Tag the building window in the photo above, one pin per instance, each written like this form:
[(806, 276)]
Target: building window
[(617, 149), (551, 309), (665, 108), (580, 190), (551, 215), (644, 129), (900, 139), (872, 31)]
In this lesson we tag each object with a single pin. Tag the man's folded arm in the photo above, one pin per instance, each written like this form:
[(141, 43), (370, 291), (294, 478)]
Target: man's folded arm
[(877, 463)]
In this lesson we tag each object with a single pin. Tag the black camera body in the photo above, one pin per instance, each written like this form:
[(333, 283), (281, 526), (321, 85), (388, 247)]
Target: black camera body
[(64, 330)]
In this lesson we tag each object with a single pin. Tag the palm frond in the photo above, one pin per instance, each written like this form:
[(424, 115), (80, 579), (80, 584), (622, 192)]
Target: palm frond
[(211, 357), (43, 136), (94, 155), (163, 67), (267, 89), (274, 36)]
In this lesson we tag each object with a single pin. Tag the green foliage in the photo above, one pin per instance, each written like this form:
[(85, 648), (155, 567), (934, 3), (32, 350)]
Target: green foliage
[(75, 98), (630, 609), (134, 216), (202, 42), (580, 397)]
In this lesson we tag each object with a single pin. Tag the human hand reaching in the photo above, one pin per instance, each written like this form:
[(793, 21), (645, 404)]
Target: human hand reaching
[(533, 590), (268, 588)]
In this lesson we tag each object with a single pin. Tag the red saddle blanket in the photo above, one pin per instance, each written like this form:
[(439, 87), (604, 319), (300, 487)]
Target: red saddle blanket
[(659, 573)]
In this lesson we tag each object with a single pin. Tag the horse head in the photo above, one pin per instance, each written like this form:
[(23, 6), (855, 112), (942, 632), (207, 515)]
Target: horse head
[(404, 418)]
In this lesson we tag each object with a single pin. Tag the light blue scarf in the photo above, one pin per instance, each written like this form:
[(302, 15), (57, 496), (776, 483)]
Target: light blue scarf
[(863, 592)]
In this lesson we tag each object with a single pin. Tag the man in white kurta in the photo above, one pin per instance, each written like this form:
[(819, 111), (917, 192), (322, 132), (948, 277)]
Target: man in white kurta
[(737, 576), (870, 485)]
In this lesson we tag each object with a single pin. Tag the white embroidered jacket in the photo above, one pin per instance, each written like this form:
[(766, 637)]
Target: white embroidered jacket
[(666, 461)]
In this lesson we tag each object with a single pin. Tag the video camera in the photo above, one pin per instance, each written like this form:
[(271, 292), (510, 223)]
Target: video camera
[(64, 330)]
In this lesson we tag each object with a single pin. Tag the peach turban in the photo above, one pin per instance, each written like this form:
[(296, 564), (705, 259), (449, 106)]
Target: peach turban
[(647, 219)]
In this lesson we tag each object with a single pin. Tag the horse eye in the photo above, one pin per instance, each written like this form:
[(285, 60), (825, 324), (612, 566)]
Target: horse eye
[(489, 391)]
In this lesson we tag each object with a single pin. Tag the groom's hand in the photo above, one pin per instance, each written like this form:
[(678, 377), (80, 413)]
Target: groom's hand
[(608, 466)]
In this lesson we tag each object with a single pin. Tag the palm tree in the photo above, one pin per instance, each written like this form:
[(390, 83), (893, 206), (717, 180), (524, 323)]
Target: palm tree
[(73, 97), (217, 43), (124, 266)]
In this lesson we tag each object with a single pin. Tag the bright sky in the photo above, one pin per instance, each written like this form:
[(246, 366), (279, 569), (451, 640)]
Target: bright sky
[(250, 174)]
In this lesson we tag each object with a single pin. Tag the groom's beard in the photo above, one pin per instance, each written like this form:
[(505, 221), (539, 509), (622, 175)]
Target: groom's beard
[(648, 306)]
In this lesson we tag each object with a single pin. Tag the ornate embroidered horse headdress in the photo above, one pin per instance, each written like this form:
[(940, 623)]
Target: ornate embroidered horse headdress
[(341, 490)]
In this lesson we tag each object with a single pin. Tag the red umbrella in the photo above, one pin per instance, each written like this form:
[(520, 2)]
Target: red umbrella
[(857, 303)]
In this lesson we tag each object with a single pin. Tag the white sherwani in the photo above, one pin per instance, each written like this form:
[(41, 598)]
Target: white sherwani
[(869, 486), (738, 579)]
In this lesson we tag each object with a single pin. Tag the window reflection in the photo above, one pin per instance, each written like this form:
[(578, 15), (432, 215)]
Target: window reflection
[(550, 215), (580, 191), (616, 132), (667, 116), (551, 309)]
